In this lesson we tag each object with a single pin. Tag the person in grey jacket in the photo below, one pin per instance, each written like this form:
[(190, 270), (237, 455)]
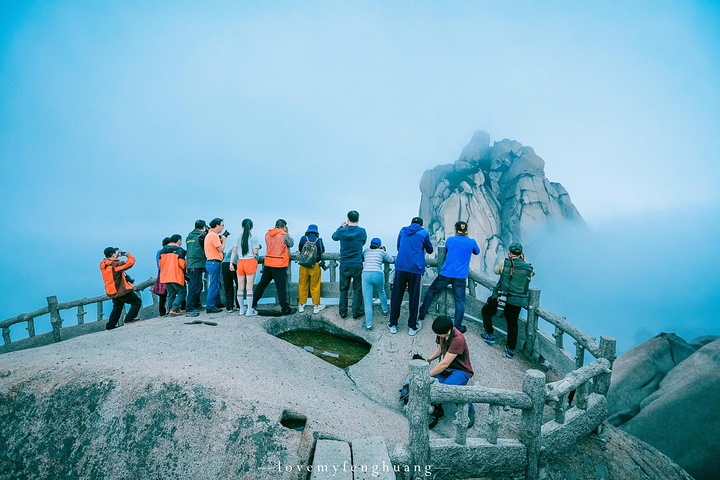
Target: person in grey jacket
[(373, 277)]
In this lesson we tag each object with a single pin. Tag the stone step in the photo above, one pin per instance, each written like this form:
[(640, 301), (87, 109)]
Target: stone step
[(371, 459), (332, 460)]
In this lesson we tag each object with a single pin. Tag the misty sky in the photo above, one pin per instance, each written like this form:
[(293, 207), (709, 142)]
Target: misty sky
[(123, 122)]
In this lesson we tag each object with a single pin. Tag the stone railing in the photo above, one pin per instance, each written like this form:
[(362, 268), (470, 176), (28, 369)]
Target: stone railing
[(56, 321)]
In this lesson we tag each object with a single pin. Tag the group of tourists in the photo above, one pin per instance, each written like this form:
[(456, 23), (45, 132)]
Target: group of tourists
[(180, 281)]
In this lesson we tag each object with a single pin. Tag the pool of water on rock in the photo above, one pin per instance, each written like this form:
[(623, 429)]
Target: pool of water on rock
[(334, 349)]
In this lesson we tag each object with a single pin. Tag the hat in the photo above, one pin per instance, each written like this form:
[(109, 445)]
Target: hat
[(417, 220), (515, 249), (312, 228), (109, 251), (461, 227), (376, 241)]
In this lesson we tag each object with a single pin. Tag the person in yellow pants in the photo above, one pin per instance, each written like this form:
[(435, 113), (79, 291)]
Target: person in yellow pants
[(311, 248)]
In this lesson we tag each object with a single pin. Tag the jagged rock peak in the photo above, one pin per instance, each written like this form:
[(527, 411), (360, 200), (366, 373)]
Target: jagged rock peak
[(499, 189)]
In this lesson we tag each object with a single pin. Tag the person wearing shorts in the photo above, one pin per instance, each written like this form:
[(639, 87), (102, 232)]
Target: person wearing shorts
[(246, 248)]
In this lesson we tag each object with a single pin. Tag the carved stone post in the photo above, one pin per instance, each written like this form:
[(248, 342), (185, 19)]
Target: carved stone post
[(31, 327), (607, 351), (443, 297), (493, 422), (386, 273), (579, 355), (6, 335), (531, 326), (461, 423), (558, 335), (417, 411), (530, 433), (81, 314), (100, 311), (333, 270), (472, 286), (55, 319)]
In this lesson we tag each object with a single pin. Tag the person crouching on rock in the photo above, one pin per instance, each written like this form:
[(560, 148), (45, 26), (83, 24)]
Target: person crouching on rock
[(508, 297), (117, 286), (455, 367)]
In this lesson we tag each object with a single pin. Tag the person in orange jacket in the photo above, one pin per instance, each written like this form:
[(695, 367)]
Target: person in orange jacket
[(172, 274), (277, 259), (117, 286)]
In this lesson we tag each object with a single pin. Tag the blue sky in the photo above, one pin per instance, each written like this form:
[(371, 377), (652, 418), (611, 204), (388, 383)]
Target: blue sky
[(123, 122)]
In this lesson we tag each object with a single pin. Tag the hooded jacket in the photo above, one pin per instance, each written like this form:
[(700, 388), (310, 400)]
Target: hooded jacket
[(113, 273), (352, 238), (172, 265), (413, 241), (278, 254)]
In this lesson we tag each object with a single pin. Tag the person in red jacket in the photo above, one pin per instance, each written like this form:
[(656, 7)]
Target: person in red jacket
[(117, 286)]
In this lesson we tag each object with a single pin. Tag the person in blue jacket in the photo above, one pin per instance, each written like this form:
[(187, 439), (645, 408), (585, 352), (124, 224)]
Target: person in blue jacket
[(454, 271), (412, 244)]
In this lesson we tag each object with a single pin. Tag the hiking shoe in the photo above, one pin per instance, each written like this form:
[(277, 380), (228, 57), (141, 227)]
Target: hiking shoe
[(386, 314), (192, 313), (509, 352), (317, 308), (173, 313), (489, 338), (301, 308), (289, 311), (413, 331), (251, 312), (358, 315), (462, 329), (369, 327), (214, 310), (471, 417), (343, 315), (392, 328)]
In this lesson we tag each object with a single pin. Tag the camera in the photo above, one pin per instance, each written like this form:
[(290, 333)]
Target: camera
[(502, 300), (129, 279), (225, 234), (323, 265)]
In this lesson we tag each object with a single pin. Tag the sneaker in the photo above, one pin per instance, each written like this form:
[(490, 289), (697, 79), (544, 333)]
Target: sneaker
[(289, 311), (241, 310), (386, 314), (192, 313), (471, 417), (462, 329), (509, 352), (369, 327), (343, 315), (489, 338), (413, 331), (392, 328), (251, 312), (301, 308), (317, 308), (214, 310), (173, 313), (358, 315)]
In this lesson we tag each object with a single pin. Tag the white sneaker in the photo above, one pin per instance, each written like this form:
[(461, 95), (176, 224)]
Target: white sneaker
[(413, 331), (251, 312), (241, 310), (392, 328), (301, 308), (317, 308)]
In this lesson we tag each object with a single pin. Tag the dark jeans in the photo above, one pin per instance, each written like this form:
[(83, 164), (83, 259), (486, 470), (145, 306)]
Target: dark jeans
[(437, 286), (348, 274), (161, 305), (412, 282), (175, 296), (279, 275), (229, 279), (512, 313), (118, 302), (195, 286)]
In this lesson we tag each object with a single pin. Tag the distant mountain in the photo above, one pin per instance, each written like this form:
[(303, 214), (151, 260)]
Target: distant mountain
[(500, 190)]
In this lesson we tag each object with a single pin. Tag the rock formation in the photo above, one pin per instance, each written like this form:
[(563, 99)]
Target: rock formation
[(500, 190), (668, 394)]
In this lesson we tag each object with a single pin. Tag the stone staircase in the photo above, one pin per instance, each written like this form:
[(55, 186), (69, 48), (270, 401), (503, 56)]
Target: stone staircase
[(361, 459)]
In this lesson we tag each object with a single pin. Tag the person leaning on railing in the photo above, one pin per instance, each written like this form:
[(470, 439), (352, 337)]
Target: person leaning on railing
[(512, 288), (118, 287)]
